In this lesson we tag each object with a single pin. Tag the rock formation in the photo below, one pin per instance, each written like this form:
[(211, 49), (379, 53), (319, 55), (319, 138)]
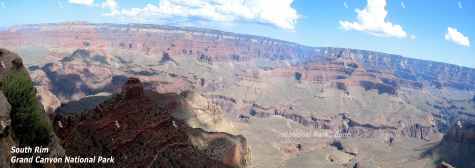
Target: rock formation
[(458, 145), (4, 114), (133, 88), (462, 132), (10, 131), (6, 140), (138, 129), (201, 112)]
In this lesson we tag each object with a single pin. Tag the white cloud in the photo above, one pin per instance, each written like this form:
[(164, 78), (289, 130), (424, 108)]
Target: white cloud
[(403, 5), (455, 36), (460, 5), (371, 19), (345, 5), (82, 2), (279, 13), (112, 5)]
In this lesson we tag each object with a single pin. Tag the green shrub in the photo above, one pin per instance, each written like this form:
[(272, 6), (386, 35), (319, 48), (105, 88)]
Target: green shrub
[(30, 125)]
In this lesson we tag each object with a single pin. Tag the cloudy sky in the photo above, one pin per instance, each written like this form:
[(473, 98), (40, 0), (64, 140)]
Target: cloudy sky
[(439, 30)]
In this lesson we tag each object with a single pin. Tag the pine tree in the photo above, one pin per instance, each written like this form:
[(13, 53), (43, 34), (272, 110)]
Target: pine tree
[(29, 123)]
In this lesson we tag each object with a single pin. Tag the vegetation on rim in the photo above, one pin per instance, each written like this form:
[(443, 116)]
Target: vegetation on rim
[(30, 125)]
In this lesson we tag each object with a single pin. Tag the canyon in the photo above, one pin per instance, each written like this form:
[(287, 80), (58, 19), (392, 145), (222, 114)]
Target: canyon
[(394, 109)]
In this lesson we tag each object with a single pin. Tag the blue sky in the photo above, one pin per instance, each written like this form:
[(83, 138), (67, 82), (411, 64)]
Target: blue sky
[(438, 30)]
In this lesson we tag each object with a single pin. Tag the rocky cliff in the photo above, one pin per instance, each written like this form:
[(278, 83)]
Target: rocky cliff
[(137, 129), (6, 140), (458, 145), (22, 120)]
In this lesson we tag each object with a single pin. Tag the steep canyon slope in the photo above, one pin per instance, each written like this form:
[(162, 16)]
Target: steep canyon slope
[(138, 129)]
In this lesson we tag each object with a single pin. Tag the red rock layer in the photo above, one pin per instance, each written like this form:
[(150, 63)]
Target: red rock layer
[(138, 130)]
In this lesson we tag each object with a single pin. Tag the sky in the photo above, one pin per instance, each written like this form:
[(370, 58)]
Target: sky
[(437, 30)]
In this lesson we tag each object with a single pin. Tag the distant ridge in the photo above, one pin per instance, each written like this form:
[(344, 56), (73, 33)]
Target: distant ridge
[(216, 32), (212, 44)]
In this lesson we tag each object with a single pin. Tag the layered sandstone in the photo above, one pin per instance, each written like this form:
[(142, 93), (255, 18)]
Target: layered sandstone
[(213, 45)]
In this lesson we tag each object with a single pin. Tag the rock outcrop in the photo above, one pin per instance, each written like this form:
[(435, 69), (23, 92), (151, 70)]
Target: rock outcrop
[(133, 88), (458, 145), (343, 124), (137, 129), (200, 112), (49, 101), (418, 131), (10, 65), (462, 132), (4, 115), (231, 150), (6, 140)]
